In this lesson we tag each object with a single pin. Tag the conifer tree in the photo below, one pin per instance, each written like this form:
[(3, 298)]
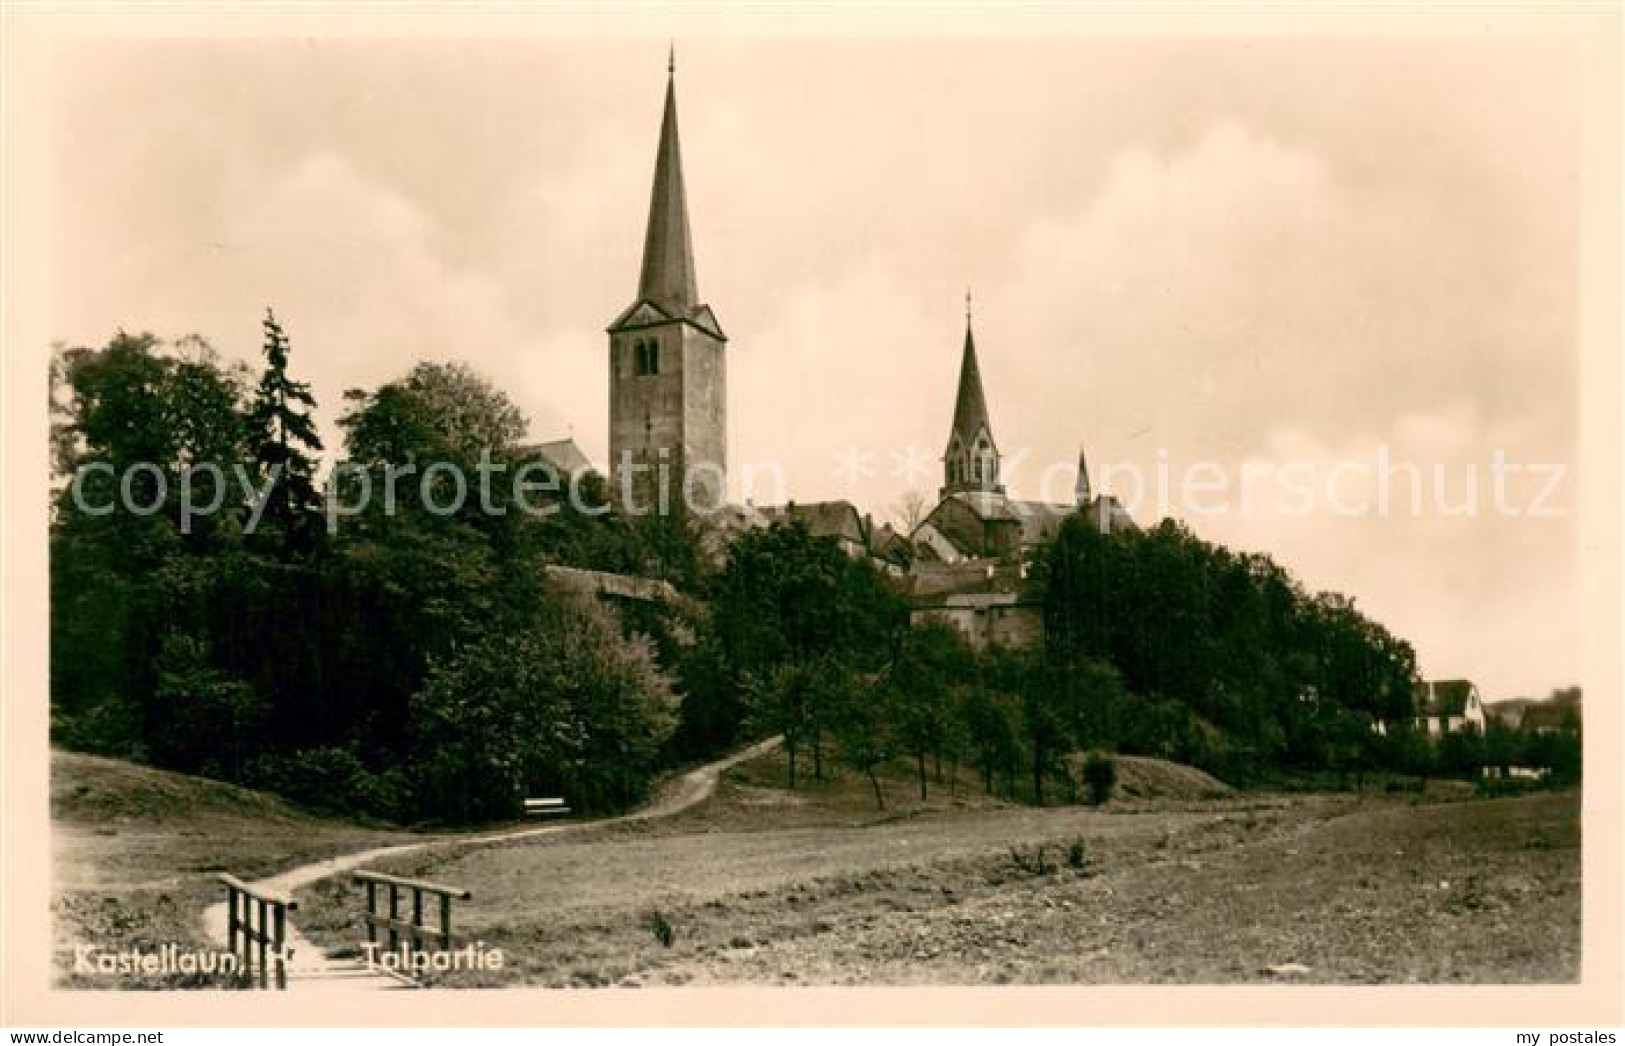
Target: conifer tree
[(285, 443)]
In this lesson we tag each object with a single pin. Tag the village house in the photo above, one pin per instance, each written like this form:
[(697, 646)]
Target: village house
[(1444, 706)]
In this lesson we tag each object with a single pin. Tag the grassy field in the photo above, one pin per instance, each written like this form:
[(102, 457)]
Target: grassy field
[(135, 851), (761, 885)]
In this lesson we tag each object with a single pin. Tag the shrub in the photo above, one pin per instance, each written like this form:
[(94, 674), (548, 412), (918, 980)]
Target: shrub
[(204, 720), (661, 927), (1034, 861), (1100, 774), (1077, 854), (334, 780), (566, 705)]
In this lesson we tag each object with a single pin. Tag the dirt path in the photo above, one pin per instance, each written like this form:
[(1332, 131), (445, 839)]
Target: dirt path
[(310, 967)]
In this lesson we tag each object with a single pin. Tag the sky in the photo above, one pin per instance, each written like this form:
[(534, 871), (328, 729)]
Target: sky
[(1254, 258)]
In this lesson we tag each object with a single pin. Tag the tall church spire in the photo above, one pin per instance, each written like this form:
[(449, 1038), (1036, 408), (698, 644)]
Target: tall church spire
[(668, 254), (972, 459), (970, 407)]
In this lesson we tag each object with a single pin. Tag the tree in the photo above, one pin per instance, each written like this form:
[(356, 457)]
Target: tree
[(566, 705), (1222, 652), (933, 661), (779, 701), (1043, 722), (205, 720), (865, 731), (437, 412), (1100, 775), (990, 719), (286, 441), (794, 617), (1461, 752), (129, 573), (910, 511)]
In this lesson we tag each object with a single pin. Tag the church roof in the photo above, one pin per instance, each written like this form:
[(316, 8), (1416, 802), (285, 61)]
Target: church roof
[(1107, 513), (645, 313), (1039, 519), (668, 253), (970, 407)]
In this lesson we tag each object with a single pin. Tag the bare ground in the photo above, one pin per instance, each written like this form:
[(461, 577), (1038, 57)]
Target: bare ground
[(759, 885)]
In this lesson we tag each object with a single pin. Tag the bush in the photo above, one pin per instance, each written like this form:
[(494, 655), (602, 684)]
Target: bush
[(1077, 854), (110, 728), (204, 721), (1100, 775), (1498, 787), (661, 927), (1034, 861), (333, 780), (564, 706)]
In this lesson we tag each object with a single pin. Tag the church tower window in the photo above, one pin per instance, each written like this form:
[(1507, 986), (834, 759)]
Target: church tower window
[(646, 358)]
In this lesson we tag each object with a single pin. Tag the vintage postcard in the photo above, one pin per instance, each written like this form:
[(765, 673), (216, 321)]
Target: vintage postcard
[(812, 515)]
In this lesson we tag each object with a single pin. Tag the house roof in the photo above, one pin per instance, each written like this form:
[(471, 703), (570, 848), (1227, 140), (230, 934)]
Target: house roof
[(837, 519), (624, 586), (965, 583), (562, 454), (885, 539), (1037, 519), (1443, 697)]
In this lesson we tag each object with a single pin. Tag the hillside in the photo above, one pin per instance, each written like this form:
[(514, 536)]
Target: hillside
[(94, 790), (135, 850)]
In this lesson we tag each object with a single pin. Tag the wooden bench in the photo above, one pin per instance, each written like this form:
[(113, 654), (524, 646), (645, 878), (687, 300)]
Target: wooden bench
[(545, 807)]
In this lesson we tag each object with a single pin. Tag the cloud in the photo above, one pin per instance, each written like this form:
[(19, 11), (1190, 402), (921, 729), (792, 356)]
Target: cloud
[(369, 293), (1292, 250), (1389, 517)]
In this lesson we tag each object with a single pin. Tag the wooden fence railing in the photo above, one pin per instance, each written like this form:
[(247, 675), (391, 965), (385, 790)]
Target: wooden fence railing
[(411, 926), (257, 931)]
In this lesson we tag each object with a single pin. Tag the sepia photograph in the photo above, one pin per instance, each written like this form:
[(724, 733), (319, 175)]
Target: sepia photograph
[(686, 507)]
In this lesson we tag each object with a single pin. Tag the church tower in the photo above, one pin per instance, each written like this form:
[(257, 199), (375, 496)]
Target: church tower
[(971, 462), (668, 372)]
